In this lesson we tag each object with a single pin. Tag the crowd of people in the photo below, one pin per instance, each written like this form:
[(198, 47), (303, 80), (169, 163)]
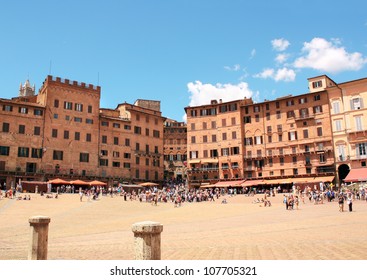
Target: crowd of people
[(178, 194)]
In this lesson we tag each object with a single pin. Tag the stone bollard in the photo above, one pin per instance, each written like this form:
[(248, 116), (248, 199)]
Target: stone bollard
[(39, 238), (147, 240)]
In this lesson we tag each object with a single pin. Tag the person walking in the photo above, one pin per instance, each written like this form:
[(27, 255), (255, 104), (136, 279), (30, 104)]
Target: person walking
[(341, 202), (350, 202)]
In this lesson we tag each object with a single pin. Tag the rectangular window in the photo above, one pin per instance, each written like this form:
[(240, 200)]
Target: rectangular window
[(66, 134), (77, 136), (317, 109), (361, 149), (116, 125), (23, 152), (54, 133), (319, 131), (104, 153), (7, 108), (224, 136), (317, 97), (4, 151), (127, 127), (358, 122), (292, 135), (104, 139), (79, 120), (224, 122), (116, 154), (37, 130), (84, 157), (6, 127), (104, 123), (205, 139), (36, 153), (58, 155), (78, 107), (234, 135), (115, 140), (247, 119), (127, 142), (214, 138), (317, 84), (278, 115), (305, 133), (103, 162), (88, 137), (258, 140), (233, 121), (214, 124), (56, 103), (127, 155), (336, 107), (156, 133), (23, 110), (89, 121), (90, 109), (137, 129), (68, 105), (338, 125), (225, 151), (193, 139), (356, 103), (37, 112), (21, 129)]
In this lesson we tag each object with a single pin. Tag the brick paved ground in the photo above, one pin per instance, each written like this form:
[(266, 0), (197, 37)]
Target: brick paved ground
[(198, 231)]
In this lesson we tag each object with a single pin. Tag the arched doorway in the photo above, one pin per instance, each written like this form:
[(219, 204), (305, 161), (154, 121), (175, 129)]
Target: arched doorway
[(343, 171)]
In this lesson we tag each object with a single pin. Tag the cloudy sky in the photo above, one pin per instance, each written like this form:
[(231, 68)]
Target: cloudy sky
[(184, 52)]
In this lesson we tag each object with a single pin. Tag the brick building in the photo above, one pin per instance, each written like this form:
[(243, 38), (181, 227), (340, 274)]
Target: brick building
[(175, 150), (63, 132), (308, 138)]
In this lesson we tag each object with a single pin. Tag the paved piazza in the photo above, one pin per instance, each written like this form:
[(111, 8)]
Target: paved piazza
[(101, 230)]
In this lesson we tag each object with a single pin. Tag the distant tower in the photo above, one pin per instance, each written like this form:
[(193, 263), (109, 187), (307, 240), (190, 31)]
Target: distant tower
[(27, 89)]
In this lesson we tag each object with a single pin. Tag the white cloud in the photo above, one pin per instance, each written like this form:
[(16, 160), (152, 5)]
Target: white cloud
[(326, 56), (266, 73), (280, 44), (283, 74), (235, 68), (281, 58), (202, 94)]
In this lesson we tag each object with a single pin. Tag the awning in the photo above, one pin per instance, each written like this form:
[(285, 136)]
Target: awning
[(356, 175), (323, 179), (97, 183), (209, 160), (229, 184), (277, 181), (250, 183), (58, 181), (79, 182), (302, 180), (194, 161)]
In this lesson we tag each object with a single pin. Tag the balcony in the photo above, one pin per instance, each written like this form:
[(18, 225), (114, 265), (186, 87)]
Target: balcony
[(302, 117)]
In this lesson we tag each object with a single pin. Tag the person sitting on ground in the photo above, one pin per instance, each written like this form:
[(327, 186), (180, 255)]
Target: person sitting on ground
[(224, 201)]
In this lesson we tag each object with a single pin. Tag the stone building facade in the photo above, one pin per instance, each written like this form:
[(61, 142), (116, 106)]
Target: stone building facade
[(175, 150), (63, 132), (310, 137)]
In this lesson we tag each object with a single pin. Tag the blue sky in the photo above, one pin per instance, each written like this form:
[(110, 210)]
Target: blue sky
[(182, 52)]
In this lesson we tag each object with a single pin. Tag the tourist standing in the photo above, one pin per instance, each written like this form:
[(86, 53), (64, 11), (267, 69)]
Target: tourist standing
[(350, 202), (341, 202), (81, 195)]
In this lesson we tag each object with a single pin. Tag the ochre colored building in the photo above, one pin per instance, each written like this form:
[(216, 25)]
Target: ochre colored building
[(309, 138)]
